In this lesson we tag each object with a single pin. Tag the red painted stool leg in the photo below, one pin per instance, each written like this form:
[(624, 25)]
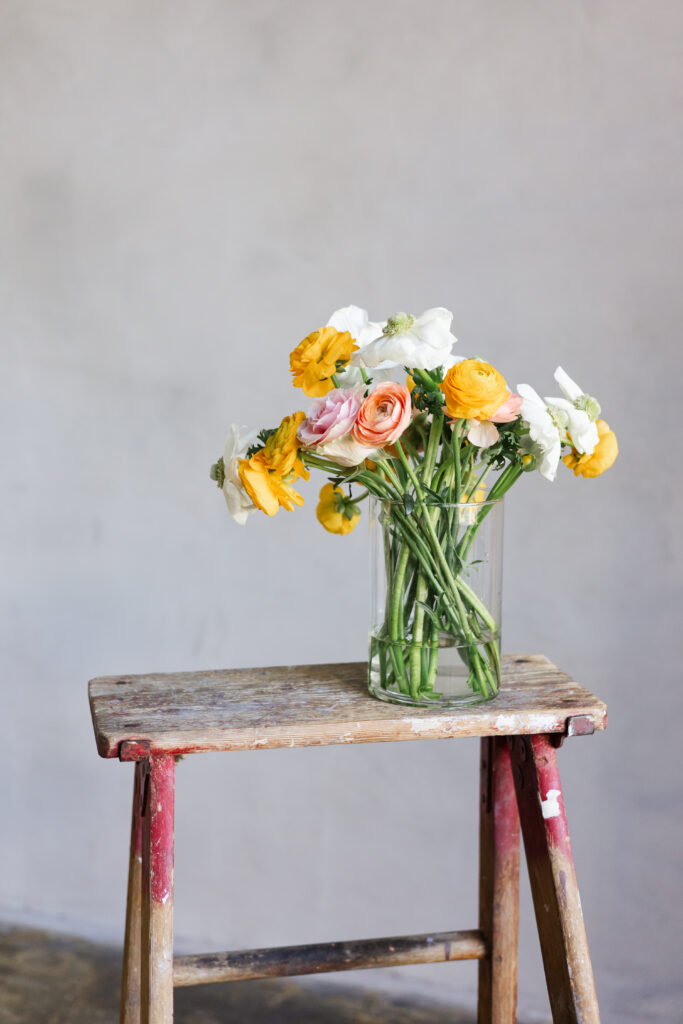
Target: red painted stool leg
[(568, 970), (498, 884), (157, 893), (130, 981)]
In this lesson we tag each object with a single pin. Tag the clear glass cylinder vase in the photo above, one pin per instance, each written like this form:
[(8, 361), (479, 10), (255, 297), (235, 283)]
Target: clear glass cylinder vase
[(436, 602)]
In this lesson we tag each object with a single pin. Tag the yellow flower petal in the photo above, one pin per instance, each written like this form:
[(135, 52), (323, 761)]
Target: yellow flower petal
[(328, 515), (600, 459), (315, 359)]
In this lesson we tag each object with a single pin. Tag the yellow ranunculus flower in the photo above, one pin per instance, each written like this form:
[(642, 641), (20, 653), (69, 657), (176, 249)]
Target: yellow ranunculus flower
[(281, 451), (315, 359), (267, 489), (267, 476), (479, 495), (600, 459), (328, 514), (474, 390)]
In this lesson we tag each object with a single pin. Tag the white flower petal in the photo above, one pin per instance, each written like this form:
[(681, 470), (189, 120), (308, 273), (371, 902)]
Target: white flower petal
[(482, 433), (238, 502), (355, 320), (422, 344), (346, 451), (542, 430), (583, 433), (569, 388)]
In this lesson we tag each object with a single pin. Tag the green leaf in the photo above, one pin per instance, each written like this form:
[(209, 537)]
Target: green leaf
[(430, 612), (408, 503)]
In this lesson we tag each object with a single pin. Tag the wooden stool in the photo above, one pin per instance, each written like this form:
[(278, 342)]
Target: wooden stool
[(149, 719)]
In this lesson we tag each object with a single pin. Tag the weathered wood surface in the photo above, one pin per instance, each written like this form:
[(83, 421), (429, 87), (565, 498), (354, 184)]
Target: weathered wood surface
[(555, 892), (156, 975), (498, 884), (318, 958), (317, 705)]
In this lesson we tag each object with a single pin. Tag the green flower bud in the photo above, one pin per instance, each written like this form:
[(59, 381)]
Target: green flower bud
[(217, 472)]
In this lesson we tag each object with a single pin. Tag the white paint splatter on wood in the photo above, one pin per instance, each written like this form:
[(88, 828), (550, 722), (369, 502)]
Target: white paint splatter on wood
[(550, 807)]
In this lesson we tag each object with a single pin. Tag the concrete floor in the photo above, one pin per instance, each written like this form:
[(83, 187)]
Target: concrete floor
[(52, 979)]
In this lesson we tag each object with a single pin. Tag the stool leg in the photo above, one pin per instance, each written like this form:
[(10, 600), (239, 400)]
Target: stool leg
[(568, 970), (498, 884), (157, 894), (130, 981)]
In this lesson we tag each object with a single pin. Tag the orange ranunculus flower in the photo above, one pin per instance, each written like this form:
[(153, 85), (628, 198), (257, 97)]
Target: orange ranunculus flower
[(474, 390), (267, 476), (384, 415), (315, 359), (329, 514), (600, 459)]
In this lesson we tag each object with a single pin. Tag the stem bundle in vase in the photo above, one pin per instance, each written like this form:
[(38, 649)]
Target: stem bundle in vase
[(435, 441)]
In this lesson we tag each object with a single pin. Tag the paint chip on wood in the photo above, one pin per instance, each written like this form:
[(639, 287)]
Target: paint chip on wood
[(550, 807)]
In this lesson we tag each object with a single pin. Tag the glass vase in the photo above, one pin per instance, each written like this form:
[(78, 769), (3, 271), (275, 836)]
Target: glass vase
[(436, 602)]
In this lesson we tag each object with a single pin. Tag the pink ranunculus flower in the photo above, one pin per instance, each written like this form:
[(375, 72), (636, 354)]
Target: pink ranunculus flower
[(484, 433), (330, 417), (509, 410), (384, 415)]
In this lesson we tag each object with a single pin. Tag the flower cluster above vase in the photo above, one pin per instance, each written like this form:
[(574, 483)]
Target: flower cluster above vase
[(434, 440)]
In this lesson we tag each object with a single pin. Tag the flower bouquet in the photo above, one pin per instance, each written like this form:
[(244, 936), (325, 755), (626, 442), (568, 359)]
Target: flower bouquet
[(434, 441)]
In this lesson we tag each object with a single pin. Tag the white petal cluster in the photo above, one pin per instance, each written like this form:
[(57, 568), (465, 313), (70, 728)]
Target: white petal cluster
[(422, 342), (543, 431), (238, 502), (363, 331), (346, 451), (355, 320), (581, 429)]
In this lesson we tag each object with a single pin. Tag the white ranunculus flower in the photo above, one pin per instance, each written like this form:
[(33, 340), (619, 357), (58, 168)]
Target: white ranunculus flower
[(543, 431), (422, 342), (581, 411), (238, 502), (582, 432), (346, 451), (355, 320), (569, 388)]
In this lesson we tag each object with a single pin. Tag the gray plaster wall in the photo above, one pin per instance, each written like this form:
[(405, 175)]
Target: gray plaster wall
[(186, 190)]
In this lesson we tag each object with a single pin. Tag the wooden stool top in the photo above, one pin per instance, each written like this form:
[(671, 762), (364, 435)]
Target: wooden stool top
[(318, 705)]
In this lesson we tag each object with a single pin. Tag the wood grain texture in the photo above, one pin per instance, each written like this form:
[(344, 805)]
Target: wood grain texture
[(498, 884), (319, 958), (318, 705), (555, 892)]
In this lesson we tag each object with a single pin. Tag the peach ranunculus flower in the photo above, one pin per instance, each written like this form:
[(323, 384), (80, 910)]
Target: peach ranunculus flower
[(268, 475), (600, 459), (384, 415), (332, 508), (474, 390), (317, 357)]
